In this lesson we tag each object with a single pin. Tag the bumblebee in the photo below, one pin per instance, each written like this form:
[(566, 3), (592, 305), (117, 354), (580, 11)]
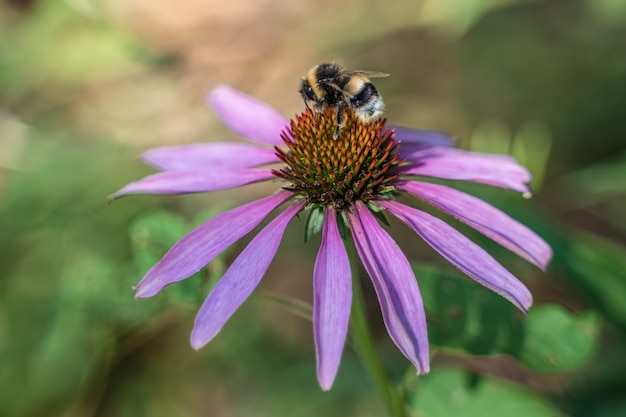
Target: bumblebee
[(332, 86)]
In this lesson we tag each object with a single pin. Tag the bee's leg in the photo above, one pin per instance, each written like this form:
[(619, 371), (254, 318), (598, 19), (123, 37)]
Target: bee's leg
[(340, 120)]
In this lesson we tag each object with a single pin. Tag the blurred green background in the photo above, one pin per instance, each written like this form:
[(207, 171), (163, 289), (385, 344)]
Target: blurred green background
[(85, 86)]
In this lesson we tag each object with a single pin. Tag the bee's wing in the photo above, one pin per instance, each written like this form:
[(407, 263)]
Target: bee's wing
[(371, 74), (336, 87)]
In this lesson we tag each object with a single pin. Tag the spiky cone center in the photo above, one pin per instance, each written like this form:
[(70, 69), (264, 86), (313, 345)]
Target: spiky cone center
[(356, 165)]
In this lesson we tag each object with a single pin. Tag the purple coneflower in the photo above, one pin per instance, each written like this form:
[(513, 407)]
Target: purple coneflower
[(343, 184)]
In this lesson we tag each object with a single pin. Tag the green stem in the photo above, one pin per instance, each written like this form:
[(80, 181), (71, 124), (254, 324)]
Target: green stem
[(364, 345)]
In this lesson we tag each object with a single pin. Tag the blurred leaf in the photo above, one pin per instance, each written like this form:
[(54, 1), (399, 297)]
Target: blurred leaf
[(491, 136), (70, 344), (557, 340), (465, 315), (152, 234), (610, 11), (589, 265), (447, 392), (531, 146), (596, 266), (66, 298), (599, 189), (56, 45), (592, 257), (596, 183)]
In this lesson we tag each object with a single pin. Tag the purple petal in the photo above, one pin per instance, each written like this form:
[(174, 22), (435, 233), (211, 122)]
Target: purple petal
[(486, 219), (332, 300), (413, 140), (195, 181), (454, 164), (395, 284), (208, 155), (240, 279), (247, 116), (470, 258), (205, 242)]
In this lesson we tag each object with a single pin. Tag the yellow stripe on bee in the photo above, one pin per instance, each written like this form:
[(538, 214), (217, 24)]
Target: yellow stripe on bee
[(311, 78)]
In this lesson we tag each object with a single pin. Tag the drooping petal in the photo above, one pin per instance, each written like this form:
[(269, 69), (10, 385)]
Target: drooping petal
[(395, 284), (470, 258), (413, 140), (205, 242), (194, 181), (240, 279), (485, 218), (208, 155), (454, 164), (332, 297), (247, 115)]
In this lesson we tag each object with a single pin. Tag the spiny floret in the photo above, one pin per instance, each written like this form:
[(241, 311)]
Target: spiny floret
[(357, 165)]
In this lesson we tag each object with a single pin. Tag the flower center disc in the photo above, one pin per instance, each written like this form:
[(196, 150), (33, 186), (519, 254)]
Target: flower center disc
[(327, 171)]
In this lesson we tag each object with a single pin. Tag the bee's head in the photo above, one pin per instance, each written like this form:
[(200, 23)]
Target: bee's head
[(307, 92)]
